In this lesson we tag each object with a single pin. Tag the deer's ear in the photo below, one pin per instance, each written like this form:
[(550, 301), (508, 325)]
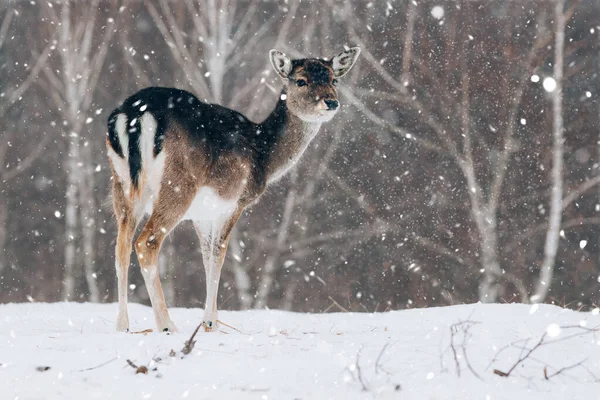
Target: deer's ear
[(343, 62), (281, 63)]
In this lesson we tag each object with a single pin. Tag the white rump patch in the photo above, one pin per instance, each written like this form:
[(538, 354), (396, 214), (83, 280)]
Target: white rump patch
[(148, 124), (152, 167), (121, 126)]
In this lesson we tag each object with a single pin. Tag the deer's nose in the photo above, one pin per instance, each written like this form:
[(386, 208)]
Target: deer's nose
[(332, 104)]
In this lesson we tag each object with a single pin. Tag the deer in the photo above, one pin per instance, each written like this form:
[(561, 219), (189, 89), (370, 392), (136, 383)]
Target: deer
[(175, 158)]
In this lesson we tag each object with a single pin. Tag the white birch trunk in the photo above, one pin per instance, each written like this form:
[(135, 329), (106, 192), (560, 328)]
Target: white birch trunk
[(553, 232), (268, 272), (240, 274), (71, 219), (88, 225), (165, 267), (3, 234), (72, 84), (489, 287), (289, 296)]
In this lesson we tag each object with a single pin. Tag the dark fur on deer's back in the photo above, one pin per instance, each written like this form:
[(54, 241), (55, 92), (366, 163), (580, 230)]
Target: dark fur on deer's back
[(219, 128)]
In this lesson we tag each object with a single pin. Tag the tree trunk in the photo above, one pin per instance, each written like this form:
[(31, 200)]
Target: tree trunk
[(240, 274), (268, 272), (166, 263), (553, 232), (3, 234), (489, 287), (88, 224), (71, 219), (289, 296)]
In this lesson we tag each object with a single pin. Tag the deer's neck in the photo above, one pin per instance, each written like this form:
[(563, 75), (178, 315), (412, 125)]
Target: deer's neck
[(290, 137)]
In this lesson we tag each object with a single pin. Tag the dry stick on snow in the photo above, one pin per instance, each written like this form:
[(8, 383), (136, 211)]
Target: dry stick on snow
[(359, 372), (463, 327), (522, 358), (563, 369), (98, 366), (142, 369), (144, 332), (229, 326), (189, 344), (526, 353), (378, 365)]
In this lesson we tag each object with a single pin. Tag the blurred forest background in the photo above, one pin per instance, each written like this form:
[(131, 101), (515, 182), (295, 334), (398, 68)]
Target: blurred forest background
[(463, 166)]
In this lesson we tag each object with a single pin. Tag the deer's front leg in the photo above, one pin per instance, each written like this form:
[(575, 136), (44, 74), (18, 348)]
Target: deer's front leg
[(214, 237), (213, 255)]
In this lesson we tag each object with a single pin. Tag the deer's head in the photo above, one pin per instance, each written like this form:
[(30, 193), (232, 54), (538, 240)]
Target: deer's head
[(310, 83)]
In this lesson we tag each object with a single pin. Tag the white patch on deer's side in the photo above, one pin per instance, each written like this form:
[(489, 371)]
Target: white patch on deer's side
[(209, 207)]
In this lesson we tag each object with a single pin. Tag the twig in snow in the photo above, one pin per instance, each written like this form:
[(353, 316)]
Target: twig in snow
[(456, 347), (522, 358), (144, 332), (229, 326), (337, 304), (359, 373), (508, 346), (189, 344), (526, 353), (591, 373), (378, 365), (98, 366), (142, 369), (563, 369)]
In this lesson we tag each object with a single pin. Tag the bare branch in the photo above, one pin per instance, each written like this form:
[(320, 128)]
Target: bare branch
[(5, 25), (391, 127), (578, 191), (408, 41), (563, 369), (26, 163)]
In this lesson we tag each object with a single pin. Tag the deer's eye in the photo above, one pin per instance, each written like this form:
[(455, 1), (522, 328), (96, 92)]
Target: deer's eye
[(301, 82), (334, 82)]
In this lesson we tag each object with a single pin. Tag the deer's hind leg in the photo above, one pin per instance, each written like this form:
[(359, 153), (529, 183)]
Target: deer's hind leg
[(127, 222), (167, 212)]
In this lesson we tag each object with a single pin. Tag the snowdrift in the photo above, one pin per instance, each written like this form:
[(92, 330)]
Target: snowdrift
[(70, 351)]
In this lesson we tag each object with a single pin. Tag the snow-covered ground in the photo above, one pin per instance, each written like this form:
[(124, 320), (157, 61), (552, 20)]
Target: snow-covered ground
[(281, 355)]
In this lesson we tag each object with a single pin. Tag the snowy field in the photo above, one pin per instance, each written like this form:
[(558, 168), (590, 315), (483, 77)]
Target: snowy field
[(69, 351)]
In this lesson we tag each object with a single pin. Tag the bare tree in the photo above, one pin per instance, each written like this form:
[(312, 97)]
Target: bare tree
[(208, 53), (73, 79), (556, 197), (484, 174), (11, 96)]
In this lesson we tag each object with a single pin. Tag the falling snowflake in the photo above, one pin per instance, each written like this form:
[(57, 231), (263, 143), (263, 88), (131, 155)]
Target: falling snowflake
[(549, 84), (437, 12)]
